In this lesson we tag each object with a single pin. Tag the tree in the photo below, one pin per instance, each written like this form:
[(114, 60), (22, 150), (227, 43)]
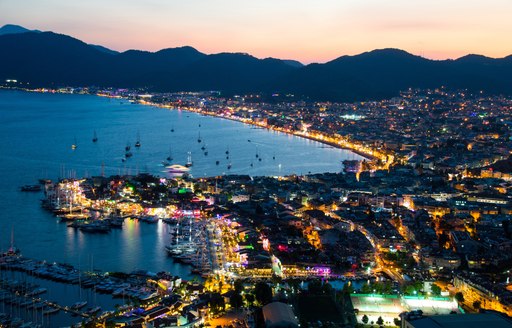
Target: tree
[(459, 297), (397, 322), (238, 286), (327, 289), (506, 228), (249, 298), (315, 287), (263, 293), (387, 288), (236, 300), (347, 288), (443, 239), (436, 290), (380, 321), (477, 305), (365, 319), (410, 290), (294, 284), (366, 289), (411, 262), (217, 302)]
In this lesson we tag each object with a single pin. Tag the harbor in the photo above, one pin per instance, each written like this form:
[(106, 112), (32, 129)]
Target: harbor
[(24, 301), (73, 225)]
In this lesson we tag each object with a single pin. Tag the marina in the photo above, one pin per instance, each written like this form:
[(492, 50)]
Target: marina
[(137, 245), (65, 230)]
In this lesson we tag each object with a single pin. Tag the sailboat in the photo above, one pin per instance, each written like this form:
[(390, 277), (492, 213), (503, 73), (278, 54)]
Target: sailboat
[(13, 251), (137, 143), (199, 138), (172, 128), (189, 160), (94, 137), (74, 145), (127, 148)]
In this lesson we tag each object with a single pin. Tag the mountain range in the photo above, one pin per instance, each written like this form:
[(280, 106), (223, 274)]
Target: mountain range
[(50, 59)]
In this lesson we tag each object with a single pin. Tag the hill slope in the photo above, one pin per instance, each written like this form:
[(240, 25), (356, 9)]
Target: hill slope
[(49, 59)]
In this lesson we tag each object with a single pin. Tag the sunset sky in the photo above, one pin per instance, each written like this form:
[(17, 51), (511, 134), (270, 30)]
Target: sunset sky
[(309, 31)]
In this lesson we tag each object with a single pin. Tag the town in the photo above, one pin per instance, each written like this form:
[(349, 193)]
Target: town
[(419, 228)]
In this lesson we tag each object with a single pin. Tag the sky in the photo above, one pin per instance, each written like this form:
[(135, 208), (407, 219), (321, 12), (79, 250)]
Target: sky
[(304, 30)]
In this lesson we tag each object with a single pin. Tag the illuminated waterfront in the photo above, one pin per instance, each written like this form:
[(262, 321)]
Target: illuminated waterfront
[(36, 139)]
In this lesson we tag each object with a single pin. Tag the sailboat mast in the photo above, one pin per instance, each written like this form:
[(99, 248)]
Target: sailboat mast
[(12, 239)]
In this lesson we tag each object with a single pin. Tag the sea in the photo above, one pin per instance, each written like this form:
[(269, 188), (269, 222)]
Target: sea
[(37, 131)]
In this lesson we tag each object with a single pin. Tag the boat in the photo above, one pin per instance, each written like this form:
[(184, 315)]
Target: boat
[(172, 128), (78, 305), (74, 145), (199, 138), (94, 137), (38, 305), (229, 166), (127, 148), (31, 188), (137, 143), (217, 162), (176, 168), (115, 222), (94, 310), (37, 291), (227, 151), (51, 311), (95, 226), (128, 154), (13, 250), (189, 160), (149, 219)]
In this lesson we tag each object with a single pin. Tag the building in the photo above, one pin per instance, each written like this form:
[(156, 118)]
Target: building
[(417, 320), (279, 315)]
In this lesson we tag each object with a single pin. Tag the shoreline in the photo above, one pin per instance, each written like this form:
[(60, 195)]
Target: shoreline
[(334, 145), (365, 155)]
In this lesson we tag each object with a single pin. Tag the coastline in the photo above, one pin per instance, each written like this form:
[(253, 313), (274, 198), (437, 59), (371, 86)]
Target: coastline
[(333, 144), (363, 154), (337, 145)]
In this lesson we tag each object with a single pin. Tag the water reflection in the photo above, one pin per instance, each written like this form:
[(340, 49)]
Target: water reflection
[(57, 119)]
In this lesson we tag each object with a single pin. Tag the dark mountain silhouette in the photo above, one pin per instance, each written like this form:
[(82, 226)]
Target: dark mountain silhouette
[(49, 59), (383, 73), (291, 62), (14, 29), (104, 49)]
